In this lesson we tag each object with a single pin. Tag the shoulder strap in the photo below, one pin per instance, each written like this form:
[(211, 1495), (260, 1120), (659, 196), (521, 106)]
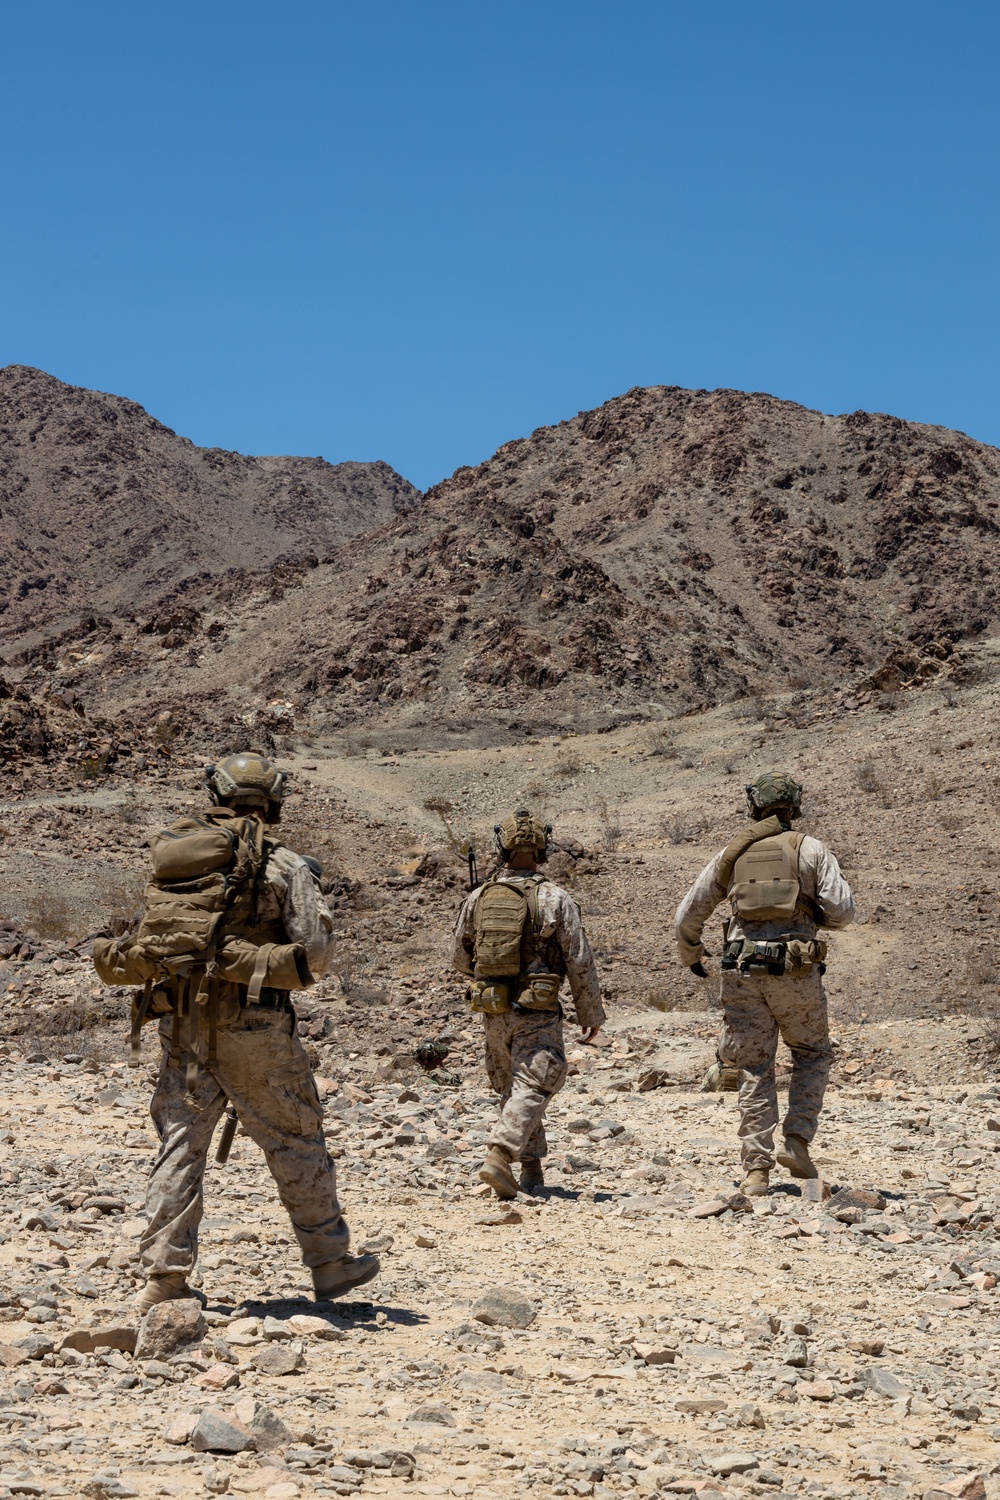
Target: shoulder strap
[(752, 834)]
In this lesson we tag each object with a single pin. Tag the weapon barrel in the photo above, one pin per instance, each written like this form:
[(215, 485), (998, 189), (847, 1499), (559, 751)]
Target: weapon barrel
[(227, 1137)]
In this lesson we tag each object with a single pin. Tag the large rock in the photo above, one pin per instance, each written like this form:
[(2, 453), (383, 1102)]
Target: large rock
[(434, 1414), (170, 1327), (965, 1487), (268, 1429), (217, 1431), (279, 1359), (504, 1306)]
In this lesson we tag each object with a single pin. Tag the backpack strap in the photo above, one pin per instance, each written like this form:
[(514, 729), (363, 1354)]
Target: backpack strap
[(259, 973), (768, 828)]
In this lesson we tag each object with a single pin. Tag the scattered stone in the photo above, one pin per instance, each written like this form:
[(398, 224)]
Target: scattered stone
[(817, 1390), (749, 1415), (279, 1359), (725, 1464), (269, 1430), (168, 1328), (181, 1428), (495, 1221), (873, 1347), (701, 1406), (965, 1487), (432, 1413), (220, 1377), (306, 1325), (217, 1431), (655, 1354), (274, 1328), (815, 1190), (506, 1307), (884, 1383), (110, 1336), (868, 1198)]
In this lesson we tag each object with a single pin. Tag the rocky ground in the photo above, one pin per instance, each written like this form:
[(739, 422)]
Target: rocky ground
[(677, 1338), (645, 1328)]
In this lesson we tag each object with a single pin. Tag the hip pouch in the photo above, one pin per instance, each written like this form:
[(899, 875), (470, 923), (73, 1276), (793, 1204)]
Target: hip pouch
[(491, 997), (539, 992)]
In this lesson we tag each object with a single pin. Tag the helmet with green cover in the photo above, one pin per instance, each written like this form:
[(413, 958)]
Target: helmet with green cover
[(247, 780), (774, 791), (522, 832)]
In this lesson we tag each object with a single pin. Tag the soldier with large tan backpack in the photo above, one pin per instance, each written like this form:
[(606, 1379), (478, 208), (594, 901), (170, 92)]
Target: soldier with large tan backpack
[(783, 887), (519, 935), (233, 922)]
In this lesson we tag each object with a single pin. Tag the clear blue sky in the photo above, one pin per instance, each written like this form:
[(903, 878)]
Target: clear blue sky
[(413, 229)]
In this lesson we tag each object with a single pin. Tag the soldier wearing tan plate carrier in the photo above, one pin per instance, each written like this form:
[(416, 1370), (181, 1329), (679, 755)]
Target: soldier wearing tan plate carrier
[(233, 922), (519, 935), (783, 888)]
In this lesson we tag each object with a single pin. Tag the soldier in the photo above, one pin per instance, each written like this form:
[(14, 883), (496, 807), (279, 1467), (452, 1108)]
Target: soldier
[(783, 887), (519, 935), (251, 1056)]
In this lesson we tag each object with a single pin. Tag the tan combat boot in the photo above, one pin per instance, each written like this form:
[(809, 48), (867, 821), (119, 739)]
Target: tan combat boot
[(496, 1171), (795, 1157), (756, 1182), (170, 1288), (721, 1078), (532, 1177), (337, 1277)]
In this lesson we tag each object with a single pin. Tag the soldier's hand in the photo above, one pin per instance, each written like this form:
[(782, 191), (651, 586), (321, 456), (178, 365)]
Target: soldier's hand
[(592, 1037), (700, 970)]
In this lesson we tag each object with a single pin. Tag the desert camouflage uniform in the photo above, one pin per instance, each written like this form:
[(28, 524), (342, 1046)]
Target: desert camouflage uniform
[(263, 1069), (525, 1051), (759, 1008)]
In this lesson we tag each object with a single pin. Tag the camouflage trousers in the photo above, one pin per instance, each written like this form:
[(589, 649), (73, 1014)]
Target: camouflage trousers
[(526, 1065), (263, 1069), (756, 1012)]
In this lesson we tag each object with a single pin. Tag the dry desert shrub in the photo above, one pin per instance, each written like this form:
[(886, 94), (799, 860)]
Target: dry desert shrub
[(610, 825), (661, 742), (51, 916)]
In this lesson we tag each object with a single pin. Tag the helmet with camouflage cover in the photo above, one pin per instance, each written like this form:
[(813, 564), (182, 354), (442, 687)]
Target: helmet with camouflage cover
[(772, 790), (522, 831), (247, 779)]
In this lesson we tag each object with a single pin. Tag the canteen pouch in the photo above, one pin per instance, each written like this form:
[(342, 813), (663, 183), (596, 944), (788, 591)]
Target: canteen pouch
[(802, 957), (490, 997)]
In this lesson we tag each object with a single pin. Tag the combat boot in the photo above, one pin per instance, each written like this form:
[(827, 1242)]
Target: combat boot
[(496, 1171), (337, 1277), (169, 1288), (756, 1182), (532, 1177), (795, 1157), (721, 1078)]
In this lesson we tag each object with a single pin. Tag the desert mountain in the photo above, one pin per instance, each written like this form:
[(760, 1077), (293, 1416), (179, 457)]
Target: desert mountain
[(102, 508), (672, 550)]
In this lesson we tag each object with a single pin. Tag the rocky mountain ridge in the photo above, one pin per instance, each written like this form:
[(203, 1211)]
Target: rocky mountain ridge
[(103, 508)]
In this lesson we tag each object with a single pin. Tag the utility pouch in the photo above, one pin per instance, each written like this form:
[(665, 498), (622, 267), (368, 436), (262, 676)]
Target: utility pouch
[(490, 997), (803, 957), (540, 992), (762, 958), (731, 954)]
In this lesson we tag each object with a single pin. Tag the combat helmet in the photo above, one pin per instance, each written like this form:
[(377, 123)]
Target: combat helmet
[(246, 779), (773, 790), (522, 830)]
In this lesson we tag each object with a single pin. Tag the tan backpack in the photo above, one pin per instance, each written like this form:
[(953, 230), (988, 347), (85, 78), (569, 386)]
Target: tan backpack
[(508, 965), (200, 932)]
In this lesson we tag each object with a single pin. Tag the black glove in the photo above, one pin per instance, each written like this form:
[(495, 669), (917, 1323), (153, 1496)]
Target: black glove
[(700, 970)]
